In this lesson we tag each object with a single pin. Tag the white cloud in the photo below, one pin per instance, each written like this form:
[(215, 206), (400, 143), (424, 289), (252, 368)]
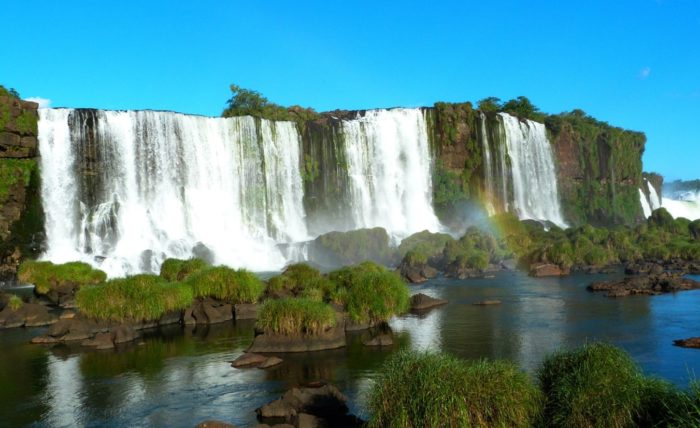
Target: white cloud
[(644, 72), (43, 102)]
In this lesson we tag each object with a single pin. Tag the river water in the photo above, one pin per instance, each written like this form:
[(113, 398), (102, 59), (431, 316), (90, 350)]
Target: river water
[(179, 377)]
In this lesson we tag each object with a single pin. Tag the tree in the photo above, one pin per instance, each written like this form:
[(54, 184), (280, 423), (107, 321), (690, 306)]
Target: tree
[(521, 107), (490, 105), (245, 102)]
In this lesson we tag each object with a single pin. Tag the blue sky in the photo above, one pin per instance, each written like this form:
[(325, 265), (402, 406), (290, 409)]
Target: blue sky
[(634, 64)]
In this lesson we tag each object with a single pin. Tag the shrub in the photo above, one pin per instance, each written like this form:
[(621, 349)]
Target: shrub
[(179, 270), (135, 298), (595, 385), (436, 390), (15, 302), (223, 283), (430, 244), (301, 280), (46, 275), (370, 292), (295, 316)]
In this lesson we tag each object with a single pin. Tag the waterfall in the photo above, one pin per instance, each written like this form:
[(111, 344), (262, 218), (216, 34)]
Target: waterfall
[(646, 207), (489, 177), (532, 170), (654, 200), (685, 204), (126, 189), (389, 169)]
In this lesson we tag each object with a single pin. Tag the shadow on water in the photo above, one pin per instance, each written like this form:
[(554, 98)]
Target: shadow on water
[(179, 377)]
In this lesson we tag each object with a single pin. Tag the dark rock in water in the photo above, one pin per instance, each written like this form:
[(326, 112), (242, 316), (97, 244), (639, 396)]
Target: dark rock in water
[(124, 333), (547, 269), (27, 315), (314, 405), (421, 302), (335, 249), (246, 311), (249, 359), (510, 264), (416, 273), (99, 341), (271, 362), (169, 318), (692, 342), (645, 285), (277, 343), (209, 311), (214, 424), (487, 303), (380, 340)]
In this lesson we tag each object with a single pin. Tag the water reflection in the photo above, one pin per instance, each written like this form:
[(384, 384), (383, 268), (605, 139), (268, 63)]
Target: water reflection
[(179, 377)]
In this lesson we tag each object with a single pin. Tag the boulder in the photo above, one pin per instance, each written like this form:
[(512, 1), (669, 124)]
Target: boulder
[(421, 302), (124, 333), (249, 359), (208, 311), (540, 270), (246, 311), (692, 342), (277, 343), (321, 405), (270, 362), (99, 341), (380, 340), (27, 315)]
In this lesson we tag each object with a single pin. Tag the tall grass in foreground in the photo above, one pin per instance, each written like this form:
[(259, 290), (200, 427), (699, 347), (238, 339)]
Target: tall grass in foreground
[(223, 283), (295, 316), (437, 390), (301, 280), (136, 298), (178, 270), (46, 275)]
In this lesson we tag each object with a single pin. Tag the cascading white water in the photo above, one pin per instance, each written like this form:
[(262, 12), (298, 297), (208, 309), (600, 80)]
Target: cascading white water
[(167, 184), (684, 204), (488, 167), (532, 170), (654, 200), (389, 165), (646, 207)]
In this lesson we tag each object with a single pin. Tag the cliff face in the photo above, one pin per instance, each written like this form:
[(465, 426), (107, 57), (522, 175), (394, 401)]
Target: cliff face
[(21, 217)]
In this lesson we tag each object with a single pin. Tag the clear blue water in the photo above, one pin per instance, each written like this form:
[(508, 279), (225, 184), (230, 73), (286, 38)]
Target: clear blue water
[(180, 377)]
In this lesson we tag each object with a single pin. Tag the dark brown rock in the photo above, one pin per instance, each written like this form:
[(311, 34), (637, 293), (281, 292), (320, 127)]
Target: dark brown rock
[(644, 285), (124, 333), (249, 359), (276, 343), (487, 303), (421, 302), (246, 311), (9, 139), (214, 424), (99, 341), (380, 340), (547, 269), (692, 342), (270, 362)]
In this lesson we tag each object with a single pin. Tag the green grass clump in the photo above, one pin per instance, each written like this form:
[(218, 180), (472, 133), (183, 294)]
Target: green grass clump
[(595, 385), (179, 270), (136, 298), (301, 280), (15, 302), (437, 390), (46, 275), (370, 292), (295, 316), (223, 283)]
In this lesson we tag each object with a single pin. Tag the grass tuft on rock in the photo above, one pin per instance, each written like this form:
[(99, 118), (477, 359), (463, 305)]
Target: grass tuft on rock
[(370, 292), (301, 280), (135, 298), (179, 270), (46, 275), (295, 317), (226, 284), (437, 390), (15, 302)]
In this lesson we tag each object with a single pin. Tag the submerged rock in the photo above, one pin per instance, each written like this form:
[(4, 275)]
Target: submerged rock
[(487, 303), (540, 270), (692, 342), (277, 343), (214, 424), (421, 302), (249, 359)]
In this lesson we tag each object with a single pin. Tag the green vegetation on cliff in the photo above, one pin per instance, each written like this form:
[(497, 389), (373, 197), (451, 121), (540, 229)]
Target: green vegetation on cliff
[(247, 102)]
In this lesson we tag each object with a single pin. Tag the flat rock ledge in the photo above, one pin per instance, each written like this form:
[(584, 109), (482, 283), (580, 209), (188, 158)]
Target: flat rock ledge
[(649, 285), (422, 302), (692, 342), (250, 360), (27, 315), (333, 338), (313, 405)]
